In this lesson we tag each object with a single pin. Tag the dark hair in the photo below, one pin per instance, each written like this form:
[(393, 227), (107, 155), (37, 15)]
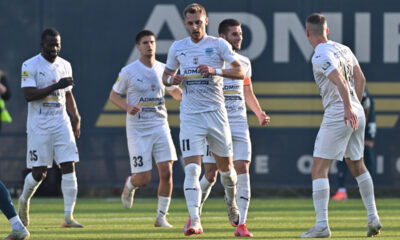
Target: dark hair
[(194, 8), (225, 24), (49, 32), (143, 33), (316, 23)]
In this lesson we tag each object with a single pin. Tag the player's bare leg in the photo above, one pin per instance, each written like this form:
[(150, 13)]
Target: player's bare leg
[(164, 193), (229, 180), (207, 182), (366, 187), (243, 196), (191, 187), (69, 187), (320, 186), (32, 182)]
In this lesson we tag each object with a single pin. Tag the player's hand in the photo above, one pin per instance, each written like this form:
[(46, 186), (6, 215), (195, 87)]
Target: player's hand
[(351, 116), (76, 126), (63, 83), (206, 70), (177, 79), (263, 119), (133, 109)]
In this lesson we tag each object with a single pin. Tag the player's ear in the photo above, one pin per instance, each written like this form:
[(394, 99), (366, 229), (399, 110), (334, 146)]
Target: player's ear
[(327, 31), (221, 35), (206, 21)]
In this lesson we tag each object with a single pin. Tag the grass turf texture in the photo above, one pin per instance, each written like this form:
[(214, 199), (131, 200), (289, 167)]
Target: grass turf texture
[(267, 219)]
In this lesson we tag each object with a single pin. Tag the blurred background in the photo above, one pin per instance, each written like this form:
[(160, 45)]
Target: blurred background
[(98, 39)]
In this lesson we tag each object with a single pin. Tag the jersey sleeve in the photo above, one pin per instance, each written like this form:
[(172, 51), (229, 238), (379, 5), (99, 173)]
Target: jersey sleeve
[(172, 62), (324, 64), (28, 74), (69, 74), (247, 77), (121, 84), (355, 61), (226, 51)]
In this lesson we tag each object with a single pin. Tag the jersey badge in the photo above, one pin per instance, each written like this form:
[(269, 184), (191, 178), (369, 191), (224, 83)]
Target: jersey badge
[(195, 61), (118, 79), (25, 74), (209, 51), (153, 87), (326, 66)]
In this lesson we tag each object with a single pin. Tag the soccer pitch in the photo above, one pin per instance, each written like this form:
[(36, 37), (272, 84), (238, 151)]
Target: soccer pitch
[(281, 218)]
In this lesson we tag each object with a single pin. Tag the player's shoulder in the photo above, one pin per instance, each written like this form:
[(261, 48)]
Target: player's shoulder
[(63, 61), (159, 64), (323, 51), (131, 67), (242, 58), (31, 62), (179, 44)]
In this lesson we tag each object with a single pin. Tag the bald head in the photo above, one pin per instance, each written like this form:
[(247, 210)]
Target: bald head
[(316, 24)]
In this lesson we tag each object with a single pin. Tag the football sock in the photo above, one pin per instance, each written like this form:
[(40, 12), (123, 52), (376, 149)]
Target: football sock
[(243, 195), (69, 187), (163, 205), (366, 188), (321, 198), (129, 185), (191, 188), (206, 187), (229, 180), (30, 186), (16, 223), (6, 204)]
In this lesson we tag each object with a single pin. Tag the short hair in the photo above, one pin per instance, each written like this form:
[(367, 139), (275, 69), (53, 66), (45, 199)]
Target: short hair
[(49, 32), (225, 24), (143, 33), (317, 24), (194, 8)]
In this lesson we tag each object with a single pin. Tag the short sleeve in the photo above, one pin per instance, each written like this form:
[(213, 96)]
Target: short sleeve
[(226, 51), (324, 64), (69, 74), (172, 62), (121, 84), (28, 74), (355, 61)]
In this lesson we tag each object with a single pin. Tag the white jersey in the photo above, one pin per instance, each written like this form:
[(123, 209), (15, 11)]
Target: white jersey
[(200, 94), (233, 91), (143, 87), (327, 57), (46, 115)]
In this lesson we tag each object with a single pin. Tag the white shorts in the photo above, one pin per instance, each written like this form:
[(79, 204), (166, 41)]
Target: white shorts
[(154, 143), (213, 126), (335, 140), (60, 146), (241, 144)]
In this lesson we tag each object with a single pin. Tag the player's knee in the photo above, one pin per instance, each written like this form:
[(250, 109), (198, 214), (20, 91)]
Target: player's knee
[(39, 174), (166, 176), (143, 181), (67, 167)]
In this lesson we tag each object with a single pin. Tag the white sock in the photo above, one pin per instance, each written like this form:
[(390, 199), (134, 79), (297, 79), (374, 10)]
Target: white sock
[(366, 187), (191, 188), (321, 199), (16, 223), (69, 187), (342, 190), (129, 185), (206, 187), (163, 205), (229, 180), (243, 195), (30, 186)]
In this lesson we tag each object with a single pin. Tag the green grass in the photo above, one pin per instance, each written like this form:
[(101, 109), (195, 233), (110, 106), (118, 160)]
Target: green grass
[(267, 219)]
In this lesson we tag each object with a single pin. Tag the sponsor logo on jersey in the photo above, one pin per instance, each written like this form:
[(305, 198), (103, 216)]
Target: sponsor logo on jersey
[(209, 51), (41, 73), (139, 80), (25, 74), (118, 79)]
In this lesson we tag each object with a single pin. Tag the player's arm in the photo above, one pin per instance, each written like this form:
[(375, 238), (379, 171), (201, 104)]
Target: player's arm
[(175, 92), (170, 77), (235, 72), (122, 104), (33, 93), (359, 81), (336, 77), (254, 105), (73, 111)]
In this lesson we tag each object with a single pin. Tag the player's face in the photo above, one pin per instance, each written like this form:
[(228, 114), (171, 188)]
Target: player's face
[(147, 46), (196, 25), (234, 37), (51, 46)]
